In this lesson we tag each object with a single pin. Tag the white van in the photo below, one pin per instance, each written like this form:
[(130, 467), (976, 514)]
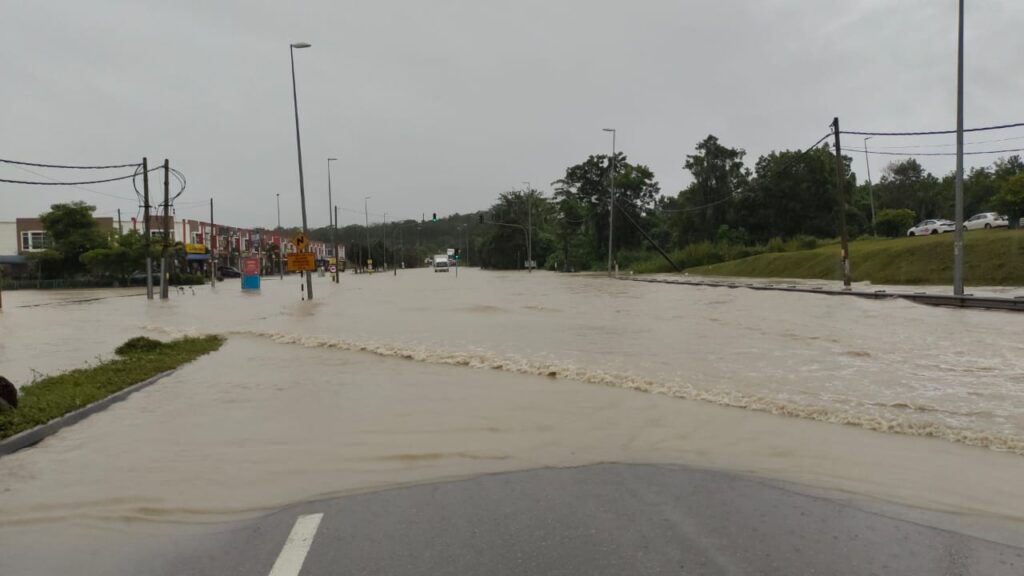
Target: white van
[(441, 263)]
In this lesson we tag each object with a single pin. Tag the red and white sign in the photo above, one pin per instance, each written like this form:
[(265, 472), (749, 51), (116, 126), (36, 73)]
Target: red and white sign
[(251, 266)]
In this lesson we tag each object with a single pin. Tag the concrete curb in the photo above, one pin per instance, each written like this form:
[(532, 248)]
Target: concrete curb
[(35, 435)]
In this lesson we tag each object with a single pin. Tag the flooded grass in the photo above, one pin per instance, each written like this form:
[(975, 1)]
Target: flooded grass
[(54, 396)]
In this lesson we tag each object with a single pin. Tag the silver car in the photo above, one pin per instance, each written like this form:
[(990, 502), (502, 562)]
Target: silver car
[(986, 220)]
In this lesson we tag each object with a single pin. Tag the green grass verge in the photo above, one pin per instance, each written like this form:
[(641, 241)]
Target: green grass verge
[(991, 258), (54, 396)]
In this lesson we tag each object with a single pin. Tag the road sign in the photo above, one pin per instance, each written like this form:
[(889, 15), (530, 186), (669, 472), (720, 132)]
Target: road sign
[(451, 251), (301, 242), (333, 268), (301, 262)]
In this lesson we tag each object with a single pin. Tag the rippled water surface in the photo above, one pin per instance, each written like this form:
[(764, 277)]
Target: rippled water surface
[(385, 380)]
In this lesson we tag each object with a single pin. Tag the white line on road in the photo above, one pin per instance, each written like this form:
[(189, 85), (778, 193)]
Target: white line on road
[(289, 562)]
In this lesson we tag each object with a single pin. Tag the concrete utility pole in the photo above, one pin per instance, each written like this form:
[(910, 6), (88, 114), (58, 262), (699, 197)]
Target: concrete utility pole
[(611, 199), (120, 231), (280, 240), (298, 146), (871, 191), (212, 260), (366, 213), (164, 264), (337, 257), (529, 227), (958, 234), (333, 223), (145, 228), (844, 240)]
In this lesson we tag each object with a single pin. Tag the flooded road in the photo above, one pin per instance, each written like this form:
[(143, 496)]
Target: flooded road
[(386, 380)]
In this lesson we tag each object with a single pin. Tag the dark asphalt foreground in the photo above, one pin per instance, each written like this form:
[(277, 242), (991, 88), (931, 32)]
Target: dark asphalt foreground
[(605, 519)]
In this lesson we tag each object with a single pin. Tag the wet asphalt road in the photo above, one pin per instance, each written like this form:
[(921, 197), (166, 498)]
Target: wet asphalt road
[(604, 519)]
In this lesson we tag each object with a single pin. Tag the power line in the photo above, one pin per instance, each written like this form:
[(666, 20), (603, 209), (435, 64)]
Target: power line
[(37, 165), (59, 183), (947, 145), (932, 133), (33, 172), (971, 153)]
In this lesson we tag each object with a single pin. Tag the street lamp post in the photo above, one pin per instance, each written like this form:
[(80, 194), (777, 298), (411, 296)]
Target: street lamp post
[(611, 199), (333, 223), (298, 146), (529, 228), (871, 191), (280, 240)]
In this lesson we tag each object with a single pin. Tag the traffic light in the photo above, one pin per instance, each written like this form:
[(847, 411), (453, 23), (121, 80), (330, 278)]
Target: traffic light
[(458, 253), (434, 219)]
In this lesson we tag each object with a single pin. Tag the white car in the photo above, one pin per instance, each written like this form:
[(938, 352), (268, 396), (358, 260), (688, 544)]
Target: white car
[(987, 220), (926, 227)]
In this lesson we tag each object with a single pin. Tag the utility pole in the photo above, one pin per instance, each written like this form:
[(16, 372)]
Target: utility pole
[(280, 240), (844, 240), (212, 261), (611, 199), (529, 228), (119, 230), (145, 216), (871, 191), (958, 234), (164, 264), (337, 257), (333, 223), (384, 260), (366, 213)]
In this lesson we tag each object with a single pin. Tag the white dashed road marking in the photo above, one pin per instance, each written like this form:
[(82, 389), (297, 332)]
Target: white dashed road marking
[(290, 560)]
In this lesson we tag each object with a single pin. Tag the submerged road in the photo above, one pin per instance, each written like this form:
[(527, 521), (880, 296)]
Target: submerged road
[(603, 519)]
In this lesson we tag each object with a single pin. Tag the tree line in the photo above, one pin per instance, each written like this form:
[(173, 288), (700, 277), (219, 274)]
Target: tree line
[(786, 197)]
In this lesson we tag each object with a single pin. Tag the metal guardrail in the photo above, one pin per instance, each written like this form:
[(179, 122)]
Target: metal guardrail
[(965, 301)]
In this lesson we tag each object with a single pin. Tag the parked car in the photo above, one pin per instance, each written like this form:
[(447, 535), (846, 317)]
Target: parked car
[(139, 279), (228, 272), (927, 227), (986, 220)]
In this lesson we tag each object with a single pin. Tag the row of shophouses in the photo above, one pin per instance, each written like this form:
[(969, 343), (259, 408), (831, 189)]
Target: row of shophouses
[(224, 244)]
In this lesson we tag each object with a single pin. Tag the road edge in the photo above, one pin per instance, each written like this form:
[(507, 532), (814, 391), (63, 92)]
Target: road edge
[(33, 436)]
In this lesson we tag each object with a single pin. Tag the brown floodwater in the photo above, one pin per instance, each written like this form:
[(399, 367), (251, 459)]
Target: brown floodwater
[(386, 380)]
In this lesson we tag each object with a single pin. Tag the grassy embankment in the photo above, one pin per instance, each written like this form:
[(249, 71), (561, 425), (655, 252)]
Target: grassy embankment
[(138, 359), (991, 258)]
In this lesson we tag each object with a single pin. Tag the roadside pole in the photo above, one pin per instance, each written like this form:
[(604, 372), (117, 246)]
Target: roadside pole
[(212, 260), (164, 268), (145, 216), (844, 240), (120, 231), (958, 233), (337, 257)]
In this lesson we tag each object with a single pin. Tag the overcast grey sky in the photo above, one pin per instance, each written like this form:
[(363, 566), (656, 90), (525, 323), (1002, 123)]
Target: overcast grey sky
[(440, 105)]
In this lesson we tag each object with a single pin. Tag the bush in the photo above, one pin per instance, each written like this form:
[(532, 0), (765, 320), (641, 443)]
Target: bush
[(802, 242), (776, 245), (894, 222), (138, 345)]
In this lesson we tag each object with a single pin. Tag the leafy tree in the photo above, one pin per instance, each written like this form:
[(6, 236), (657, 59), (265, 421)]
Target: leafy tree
[(894, 222), (1010, 199), (125, 256), (505, 243), (73, 231), (906, 184), (587, 184), (792, 194), (719, 176)]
